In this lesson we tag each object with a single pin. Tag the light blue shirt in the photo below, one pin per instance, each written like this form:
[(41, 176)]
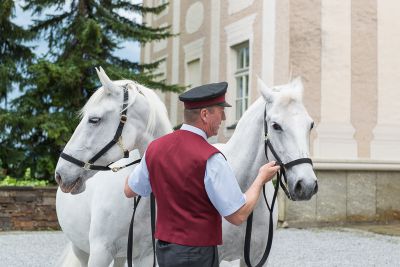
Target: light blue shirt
[(219, 180)]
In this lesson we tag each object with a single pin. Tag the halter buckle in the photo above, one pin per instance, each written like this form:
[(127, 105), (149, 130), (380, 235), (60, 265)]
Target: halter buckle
[(123, 118), (115, 169), (266, 136), (87, 166)]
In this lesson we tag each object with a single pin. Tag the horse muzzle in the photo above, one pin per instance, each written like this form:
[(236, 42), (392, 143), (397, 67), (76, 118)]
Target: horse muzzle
[(73, 187), (304, 189)]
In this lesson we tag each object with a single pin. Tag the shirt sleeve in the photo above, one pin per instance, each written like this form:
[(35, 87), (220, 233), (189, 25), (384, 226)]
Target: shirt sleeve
[(222, 187), (139, 180)]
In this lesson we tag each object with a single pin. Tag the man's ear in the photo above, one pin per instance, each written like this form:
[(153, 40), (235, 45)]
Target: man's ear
[(203, 114)]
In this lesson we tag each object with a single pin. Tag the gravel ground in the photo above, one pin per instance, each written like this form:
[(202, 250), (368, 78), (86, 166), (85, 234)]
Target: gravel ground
[(291, 247)]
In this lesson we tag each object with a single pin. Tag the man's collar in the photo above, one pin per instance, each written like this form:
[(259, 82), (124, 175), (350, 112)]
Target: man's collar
[(194, 129)]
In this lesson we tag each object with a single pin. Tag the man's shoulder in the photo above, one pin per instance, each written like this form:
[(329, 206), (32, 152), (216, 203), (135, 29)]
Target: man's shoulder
[(162, 138)]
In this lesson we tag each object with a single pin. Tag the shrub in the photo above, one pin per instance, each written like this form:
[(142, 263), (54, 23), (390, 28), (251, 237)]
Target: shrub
[(26, 180)]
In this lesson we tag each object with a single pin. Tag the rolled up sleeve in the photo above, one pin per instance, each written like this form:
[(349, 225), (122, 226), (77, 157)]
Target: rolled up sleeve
[(222, 187), (139, 180)]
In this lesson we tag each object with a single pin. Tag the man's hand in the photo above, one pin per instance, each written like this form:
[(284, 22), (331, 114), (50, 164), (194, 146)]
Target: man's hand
[(267, 172)]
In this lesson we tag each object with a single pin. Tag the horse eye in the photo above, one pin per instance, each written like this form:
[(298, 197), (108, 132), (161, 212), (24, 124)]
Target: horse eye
[(94, 120), (312, 126), (276, 127)]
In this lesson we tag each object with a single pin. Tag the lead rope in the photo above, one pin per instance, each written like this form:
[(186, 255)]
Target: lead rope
[(249, 224), (279, 182), (130, 234), (153, 226)]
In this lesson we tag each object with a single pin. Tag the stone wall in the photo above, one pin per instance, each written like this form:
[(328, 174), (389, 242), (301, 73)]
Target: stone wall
[(351, 193), (27, 208), (347, 196)]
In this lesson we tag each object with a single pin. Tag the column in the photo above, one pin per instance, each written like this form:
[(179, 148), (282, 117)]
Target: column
[(386, 141), (335, 132)]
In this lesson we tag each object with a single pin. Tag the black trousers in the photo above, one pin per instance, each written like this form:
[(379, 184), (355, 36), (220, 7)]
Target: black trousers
[(173, 255)]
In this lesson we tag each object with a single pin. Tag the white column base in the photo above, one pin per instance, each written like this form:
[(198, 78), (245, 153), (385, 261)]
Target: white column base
[(386, 142), (335, 141)]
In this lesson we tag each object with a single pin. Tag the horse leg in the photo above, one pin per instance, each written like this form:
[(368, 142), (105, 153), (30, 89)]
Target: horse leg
[(100, 255), (119, 262), (82, 256)]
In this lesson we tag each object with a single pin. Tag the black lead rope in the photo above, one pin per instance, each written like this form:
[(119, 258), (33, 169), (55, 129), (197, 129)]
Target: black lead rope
[(279, 182), (270, 231), (153, 227), (130, 234)]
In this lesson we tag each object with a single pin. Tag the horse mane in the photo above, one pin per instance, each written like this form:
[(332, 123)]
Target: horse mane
[(156, 107), (155, 104)]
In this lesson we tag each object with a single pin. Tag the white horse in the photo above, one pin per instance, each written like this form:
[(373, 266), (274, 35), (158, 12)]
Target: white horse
[(84, 216), (289, 127), (97, 220)]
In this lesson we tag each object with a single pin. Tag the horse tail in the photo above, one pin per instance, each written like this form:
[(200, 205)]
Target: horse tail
[(68, 257)]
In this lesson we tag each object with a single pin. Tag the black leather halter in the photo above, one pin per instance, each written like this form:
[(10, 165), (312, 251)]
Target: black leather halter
[(116, 140), (281, 172)]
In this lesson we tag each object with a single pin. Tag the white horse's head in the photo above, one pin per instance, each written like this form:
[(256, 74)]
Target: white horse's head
[(289, 127), (146, 119)]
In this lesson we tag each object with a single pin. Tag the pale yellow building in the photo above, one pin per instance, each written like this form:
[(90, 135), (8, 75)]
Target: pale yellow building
[(347, 53)]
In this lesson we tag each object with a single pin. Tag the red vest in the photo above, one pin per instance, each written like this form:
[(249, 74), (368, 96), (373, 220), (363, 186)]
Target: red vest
[(177, 165)]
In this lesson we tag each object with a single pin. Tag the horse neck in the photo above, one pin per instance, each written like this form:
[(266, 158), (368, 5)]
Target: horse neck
[(245, 149), (162, 127)]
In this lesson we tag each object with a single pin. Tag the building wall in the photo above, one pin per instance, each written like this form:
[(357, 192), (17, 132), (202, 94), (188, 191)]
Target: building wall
[(346, 196), (343, 50), (347, 55)]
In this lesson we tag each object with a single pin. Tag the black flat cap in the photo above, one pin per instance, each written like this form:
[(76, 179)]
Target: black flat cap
[(205, 96)]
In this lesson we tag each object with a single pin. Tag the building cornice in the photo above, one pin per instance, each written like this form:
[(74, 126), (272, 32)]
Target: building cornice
[(356, 165)]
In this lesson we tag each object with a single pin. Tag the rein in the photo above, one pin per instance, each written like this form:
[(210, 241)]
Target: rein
[(153, 228), (283, 183), (117, 139)]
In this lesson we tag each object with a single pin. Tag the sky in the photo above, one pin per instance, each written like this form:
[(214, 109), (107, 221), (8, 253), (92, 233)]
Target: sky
[(129, 50)]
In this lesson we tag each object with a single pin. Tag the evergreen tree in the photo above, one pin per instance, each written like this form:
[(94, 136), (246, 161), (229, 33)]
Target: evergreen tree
[(14, 57), (80, 36), (13, 54)]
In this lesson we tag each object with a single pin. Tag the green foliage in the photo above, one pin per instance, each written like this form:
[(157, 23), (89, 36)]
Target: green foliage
[(81, 35), (14, 58), (26, 180), (13, 54)]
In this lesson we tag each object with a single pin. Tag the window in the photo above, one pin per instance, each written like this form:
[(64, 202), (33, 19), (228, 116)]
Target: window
[(193, 73), (242, 79)]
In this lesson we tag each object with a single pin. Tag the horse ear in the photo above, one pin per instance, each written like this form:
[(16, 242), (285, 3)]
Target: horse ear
[(298, 84), (265, 91), (108, 85)]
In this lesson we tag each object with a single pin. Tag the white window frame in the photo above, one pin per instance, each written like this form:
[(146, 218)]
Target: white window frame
[(237, 33), (242, 79), (193, 51)]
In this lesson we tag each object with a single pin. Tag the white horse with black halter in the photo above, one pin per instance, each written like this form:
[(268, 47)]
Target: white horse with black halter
[(96, 221)]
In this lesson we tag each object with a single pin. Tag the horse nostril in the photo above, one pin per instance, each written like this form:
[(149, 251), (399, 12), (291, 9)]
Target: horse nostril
[(298, 187), (58, 178), (315, 188)]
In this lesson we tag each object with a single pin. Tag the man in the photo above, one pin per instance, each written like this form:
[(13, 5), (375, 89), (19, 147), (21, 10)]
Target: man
[(193, 183)]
